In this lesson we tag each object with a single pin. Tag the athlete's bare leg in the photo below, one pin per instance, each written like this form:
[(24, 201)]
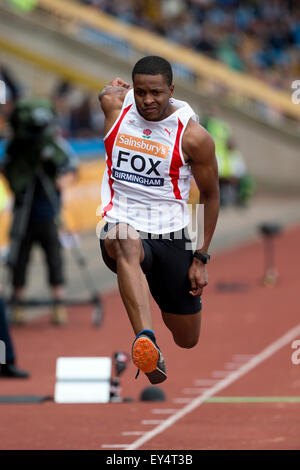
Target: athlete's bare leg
[(128, 252), (184, 328)]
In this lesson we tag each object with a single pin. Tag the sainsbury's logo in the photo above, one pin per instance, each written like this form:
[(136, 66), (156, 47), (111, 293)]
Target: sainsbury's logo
[(149, 147)]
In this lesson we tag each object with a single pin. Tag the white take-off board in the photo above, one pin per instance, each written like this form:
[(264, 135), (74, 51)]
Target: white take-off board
[(82, 380)]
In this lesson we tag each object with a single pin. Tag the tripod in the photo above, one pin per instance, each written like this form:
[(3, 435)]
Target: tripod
[(19, 227)]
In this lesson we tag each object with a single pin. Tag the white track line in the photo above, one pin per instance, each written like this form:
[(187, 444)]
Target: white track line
[(182, 400), (232, 377), (205, 382), (152, 421), (114, 446), (195, 391), (242, 357), (220, 373), (164, 411), (231, 365)]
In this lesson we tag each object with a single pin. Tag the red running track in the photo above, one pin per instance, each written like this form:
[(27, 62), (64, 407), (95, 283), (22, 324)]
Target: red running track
[(237, 323)]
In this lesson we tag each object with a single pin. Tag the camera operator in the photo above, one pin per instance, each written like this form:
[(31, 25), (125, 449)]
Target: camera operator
[(37, 165)]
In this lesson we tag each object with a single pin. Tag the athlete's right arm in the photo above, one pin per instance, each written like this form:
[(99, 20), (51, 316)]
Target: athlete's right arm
[(111, 98)]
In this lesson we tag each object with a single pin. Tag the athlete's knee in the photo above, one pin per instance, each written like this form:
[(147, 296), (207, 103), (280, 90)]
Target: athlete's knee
[(184, 328), (188, 342), (123, 242), (123, 249)]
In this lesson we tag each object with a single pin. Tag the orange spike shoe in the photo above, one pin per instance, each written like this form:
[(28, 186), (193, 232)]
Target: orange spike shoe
[(147, 357)]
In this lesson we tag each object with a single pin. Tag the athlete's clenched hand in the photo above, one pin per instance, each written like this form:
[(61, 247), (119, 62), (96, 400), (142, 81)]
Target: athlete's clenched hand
[(198, 277), (119, 82)]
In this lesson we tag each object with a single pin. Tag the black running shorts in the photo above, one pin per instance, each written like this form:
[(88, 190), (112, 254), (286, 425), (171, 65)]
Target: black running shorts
[(166, 264)]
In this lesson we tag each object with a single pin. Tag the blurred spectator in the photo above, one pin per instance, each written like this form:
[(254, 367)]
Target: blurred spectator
[(258, 38), (78, 113), (24, 5), (12, 92), (81, 119), (236, 185), (247, 35)]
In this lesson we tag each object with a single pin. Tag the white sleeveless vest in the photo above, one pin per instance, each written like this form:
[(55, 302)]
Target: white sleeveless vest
[(146, 182)]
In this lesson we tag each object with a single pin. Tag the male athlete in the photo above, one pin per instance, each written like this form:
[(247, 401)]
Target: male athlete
[(153, 145)]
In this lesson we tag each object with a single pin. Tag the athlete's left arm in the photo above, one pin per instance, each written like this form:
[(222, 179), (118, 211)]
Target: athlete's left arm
[(199, 149)]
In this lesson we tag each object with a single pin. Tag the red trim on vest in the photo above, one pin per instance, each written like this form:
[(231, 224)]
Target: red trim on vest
[(176, 162), (109, 143)]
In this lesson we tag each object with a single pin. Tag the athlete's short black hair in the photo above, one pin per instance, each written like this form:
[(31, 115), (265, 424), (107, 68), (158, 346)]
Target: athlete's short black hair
[(154, 65)]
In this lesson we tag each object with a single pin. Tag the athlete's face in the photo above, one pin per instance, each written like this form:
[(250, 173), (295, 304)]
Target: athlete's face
[(152, 94)]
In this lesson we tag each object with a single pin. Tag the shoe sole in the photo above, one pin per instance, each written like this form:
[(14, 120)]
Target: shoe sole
[(145, 357)]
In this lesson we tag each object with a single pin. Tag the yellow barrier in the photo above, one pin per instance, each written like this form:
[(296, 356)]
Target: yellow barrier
[(81, 200), (145, 42)]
